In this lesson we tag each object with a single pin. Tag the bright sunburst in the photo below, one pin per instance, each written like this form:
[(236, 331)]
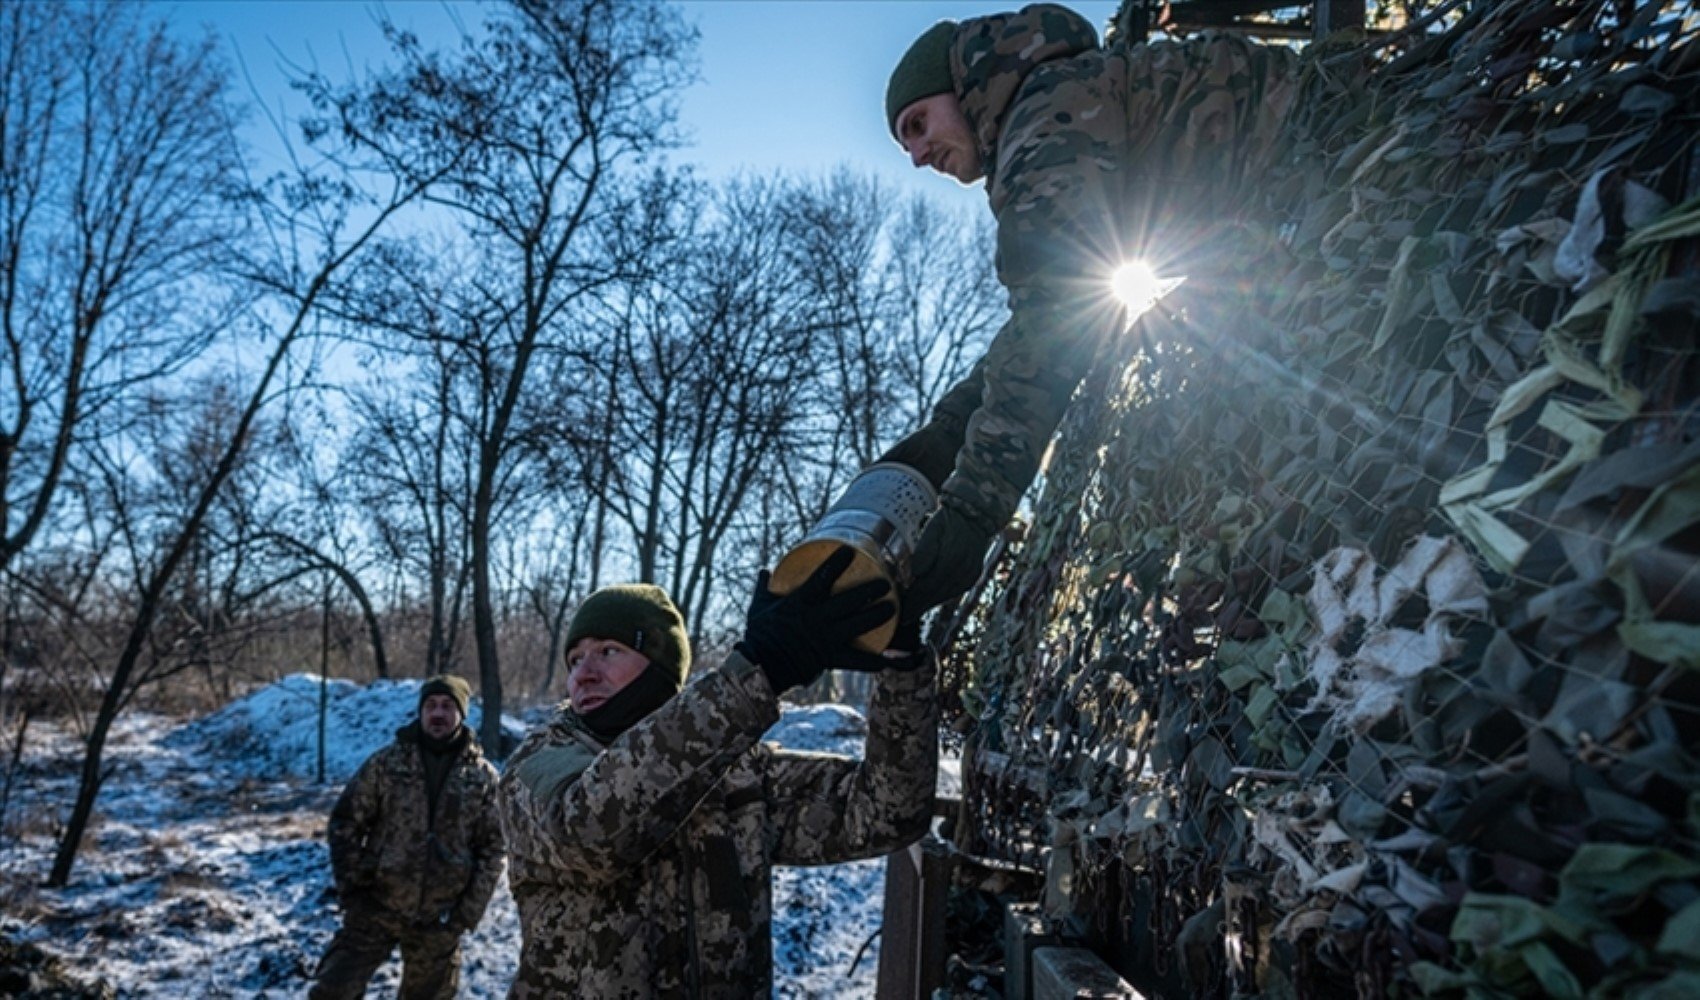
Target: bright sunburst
[(1137, 286)]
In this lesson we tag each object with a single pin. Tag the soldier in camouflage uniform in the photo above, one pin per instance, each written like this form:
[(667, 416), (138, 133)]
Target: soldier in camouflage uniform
[(416, 849), (1090, 158), (643, 819)]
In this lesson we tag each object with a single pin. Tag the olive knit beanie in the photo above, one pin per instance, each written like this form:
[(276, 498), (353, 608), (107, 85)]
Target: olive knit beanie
[(641, 616), (450, 685), (922, 72)]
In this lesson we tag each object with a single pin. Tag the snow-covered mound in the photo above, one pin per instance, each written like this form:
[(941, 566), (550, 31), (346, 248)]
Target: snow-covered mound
[(274, 732), (824, 728)]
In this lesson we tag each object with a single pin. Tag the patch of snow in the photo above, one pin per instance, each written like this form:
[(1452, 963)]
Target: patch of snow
[(822, 728), (274, 732), (205, 872)]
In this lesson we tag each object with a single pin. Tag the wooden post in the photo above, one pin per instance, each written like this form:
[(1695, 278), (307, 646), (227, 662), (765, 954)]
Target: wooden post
[(1070, 973), (933, 949), (898, 931), (1024, 932), (913, 948)]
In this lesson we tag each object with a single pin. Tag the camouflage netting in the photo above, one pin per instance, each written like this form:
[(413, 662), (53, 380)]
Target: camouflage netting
[(1354, 644)]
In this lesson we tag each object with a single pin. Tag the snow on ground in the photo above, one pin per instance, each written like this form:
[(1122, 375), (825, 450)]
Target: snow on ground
[(205, 872), (275, 731)]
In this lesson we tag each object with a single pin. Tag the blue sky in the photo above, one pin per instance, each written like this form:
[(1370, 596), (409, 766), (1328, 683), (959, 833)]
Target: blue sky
[(796, 85)]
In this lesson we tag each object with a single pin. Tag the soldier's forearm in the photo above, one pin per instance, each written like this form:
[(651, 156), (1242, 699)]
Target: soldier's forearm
[(844, 810), (902, 746)]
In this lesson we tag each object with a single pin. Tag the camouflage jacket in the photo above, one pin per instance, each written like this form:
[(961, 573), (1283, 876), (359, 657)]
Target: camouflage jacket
[(641, 867), (1092, 157), (387, 847)]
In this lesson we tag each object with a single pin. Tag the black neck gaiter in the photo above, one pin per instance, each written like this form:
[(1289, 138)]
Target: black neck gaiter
[(647, 692), (438, 756)]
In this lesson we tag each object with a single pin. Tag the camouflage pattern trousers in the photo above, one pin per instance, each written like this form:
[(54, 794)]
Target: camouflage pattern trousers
[(430, 956)]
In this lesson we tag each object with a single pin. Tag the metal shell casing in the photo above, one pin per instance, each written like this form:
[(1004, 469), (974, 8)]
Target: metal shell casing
[(879, 515)]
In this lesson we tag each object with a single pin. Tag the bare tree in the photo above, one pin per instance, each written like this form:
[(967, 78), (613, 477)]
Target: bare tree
[(755, 390), (704, 372), (304, 240), (315, 525), (555, 586), (905, 293), (775, 337), (548, 104), (230, 589), (411, 460), (944, 304), (116, 155), (835, 230)]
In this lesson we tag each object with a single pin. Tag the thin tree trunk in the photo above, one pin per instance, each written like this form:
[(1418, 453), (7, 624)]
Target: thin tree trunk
[(324, 672), (483, 616)]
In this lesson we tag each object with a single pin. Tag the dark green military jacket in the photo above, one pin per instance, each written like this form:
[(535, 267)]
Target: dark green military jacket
[(1093, 157), (641, 868), (390, 848)]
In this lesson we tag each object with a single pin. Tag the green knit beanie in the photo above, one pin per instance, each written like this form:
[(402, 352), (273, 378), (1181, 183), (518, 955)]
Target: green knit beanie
[(922, 72), (641, 616), (450, 685)]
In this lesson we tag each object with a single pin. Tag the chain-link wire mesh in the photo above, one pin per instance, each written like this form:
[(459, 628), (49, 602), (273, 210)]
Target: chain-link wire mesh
[(1354, 644)]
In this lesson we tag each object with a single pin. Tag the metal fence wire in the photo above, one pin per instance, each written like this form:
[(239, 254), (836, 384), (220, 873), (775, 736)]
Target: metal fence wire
[(1353, 646)]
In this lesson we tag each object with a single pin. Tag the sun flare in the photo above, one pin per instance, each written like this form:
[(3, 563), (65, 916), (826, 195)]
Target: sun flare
[(1137, 286)]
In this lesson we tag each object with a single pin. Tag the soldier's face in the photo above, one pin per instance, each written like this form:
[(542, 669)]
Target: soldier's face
[(439, 716), (935, 134), (598, 668)]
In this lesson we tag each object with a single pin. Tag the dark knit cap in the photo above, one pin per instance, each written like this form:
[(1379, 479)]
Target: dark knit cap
[(447, 684), (641, 616), (922, 72)]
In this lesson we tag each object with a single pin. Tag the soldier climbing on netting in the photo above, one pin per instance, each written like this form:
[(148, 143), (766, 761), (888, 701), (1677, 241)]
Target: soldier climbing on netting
[(645, 817), (1091, 158)]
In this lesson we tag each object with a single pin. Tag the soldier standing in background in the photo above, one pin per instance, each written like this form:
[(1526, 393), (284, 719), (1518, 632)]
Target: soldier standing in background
[(645, 817), (416, 849), (1091, 158)]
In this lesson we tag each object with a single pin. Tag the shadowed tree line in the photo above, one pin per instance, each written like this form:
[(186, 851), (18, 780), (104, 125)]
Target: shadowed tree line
[(483, 346)]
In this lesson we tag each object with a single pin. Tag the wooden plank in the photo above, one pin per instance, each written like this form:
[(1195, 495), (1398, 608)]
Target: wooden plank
[(899, 928), (913, 947), (1024, 931), (932, 949), (1077, 974), (1228, 8)]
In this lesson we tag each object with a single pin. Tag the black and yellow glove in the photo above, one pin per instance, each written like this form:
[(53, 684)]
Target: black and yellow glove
[(796, 637)]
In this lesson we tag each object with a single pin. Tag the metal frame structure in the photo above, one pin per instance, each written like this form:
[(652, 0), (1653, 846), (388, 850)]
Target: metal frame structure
[(1314, 20)]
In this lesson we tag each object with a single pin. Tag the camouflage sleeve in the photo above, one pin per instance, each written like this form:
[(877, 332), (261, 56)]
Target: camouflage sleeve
[(352, 819), (488, 855), (932, 449), (1056, 185), (594, 815), (827, 809)]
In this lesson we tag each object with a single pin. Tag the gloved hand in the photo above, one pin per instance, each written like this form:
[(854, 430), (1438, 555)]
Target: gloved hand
[(796, 637), (904, 653), (906, 640), (948, 559)]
